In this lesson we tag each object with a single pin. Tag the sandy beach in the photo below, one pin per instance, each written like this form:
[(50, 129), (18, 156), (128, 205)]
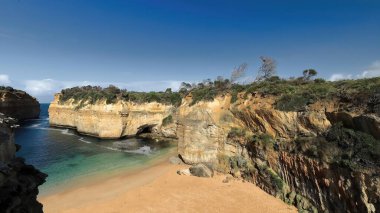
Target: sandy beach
[(160, 189)]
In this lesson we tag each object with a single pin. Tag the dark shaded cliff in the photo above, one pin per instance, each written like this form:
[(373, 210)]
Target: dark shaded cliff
[(18, 104), (18, 182)]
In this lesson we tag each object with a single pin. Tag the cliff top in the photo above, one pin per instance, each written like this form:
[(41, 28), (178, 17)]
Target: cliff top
[(289, 94), (111, 94), (14, 92)]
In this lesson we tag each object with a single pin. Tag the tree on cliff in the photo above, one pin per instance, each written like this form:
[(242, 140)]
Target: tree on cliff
[(184, 87), (112, 89), (267, 68), (309, 73), (238, 72)]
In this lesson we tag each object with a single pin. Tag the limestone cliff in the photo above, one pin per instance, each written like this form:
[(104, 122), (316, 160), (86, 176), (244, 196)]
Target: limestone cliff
[(18, 104), (321, 155), (103, 120), (205, 125), (293, 155), (18, 182)]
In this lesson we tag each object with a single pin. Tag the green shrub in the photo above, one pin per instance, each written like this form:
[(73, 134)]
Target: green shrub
[(233, 164), (168, 120), (264, 140), (293, 103), (342, 146), (357, 147), (276, 179), (236, 133), (319, 80)]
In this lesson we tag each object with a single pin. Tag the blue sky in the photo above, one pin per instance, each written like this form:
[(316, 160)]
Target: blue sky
[(46, 45)]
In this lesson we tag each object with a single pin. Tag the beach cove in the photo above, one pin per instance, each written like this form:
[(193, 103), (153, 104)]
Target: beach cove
[(134, 175), (160, 189)]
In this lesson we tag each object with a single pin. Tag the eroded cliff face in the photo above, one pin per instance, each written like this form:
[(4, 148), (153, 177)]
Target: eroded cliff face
[(283, 165), (205, 125), (109, 120), (18, 182), (19, 105), (331, 187), (203, 128), (289, 154)]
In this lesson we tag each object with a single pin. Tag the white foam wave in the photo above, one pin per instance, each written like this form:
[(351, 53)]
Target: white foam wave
[(35, 125), (145, 150), (66, 132), (83, 140)]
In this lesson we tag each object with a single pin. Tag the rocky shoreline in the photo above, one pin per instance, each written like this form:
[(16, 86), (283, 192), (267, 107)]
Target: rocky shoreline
[(18, 181)]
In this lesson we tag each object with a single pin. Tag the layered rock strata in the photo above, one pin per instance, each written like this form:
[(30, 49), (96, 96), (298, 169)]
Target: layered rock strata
[(251, 138), (110, 120)]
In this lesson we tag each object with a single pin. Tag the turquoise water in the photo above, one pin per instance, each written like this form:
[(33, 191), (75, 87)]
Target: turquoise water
[(68, 157)]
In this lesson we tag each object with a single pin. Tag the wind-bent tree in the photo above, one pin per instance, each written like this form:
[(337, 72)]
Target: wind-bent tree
[(309, 73), (267, 69), (238, 72)]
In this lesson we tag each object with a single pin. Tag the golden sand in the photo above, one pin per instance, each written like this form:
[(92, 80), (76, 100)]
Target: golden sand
[(160, 189)]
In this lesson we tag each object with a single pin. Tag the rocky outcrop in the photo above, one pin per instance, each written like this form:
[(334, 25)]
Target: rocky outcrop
[(331, 187), (18, 104), (205, 125), (368, 123), (289, 154), (201, 170), (311, 183), (202, 129), (18, 182), (110, 120)]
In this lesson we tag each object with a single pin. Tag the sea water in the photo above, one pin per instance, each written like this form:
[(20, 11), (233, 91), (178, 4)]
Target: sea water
[(67, 156)]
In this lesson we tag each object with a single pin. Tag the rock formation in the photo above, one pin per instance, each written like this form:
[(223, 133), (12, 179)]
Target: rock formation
[(109, 120), (323, 158), (266, 150), (18, 104), (18, 182)]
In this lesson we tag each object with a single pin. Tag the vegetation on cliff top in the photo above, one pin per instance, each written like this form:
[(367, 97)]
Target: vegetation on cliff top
[(292, 94), (4, 89), (92, 94), (14, 92)]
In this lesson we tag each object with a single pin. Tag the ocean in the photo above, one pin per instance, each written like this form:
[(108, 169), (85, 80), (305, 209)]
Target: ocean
[(67, 156)]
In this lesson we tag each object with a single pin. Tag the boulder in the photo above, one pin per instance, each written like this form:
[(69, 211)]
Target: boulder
[(201, 170), (175, 160), (184, 172)]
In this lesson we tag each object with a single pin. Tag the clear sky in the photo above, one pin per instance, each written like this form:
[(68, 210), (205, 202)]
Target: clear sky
[(46, 45)]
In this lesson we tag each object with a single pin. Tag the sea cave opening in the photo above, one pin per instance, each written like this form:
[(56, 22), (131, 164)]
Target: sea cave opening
[(147, 128)]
